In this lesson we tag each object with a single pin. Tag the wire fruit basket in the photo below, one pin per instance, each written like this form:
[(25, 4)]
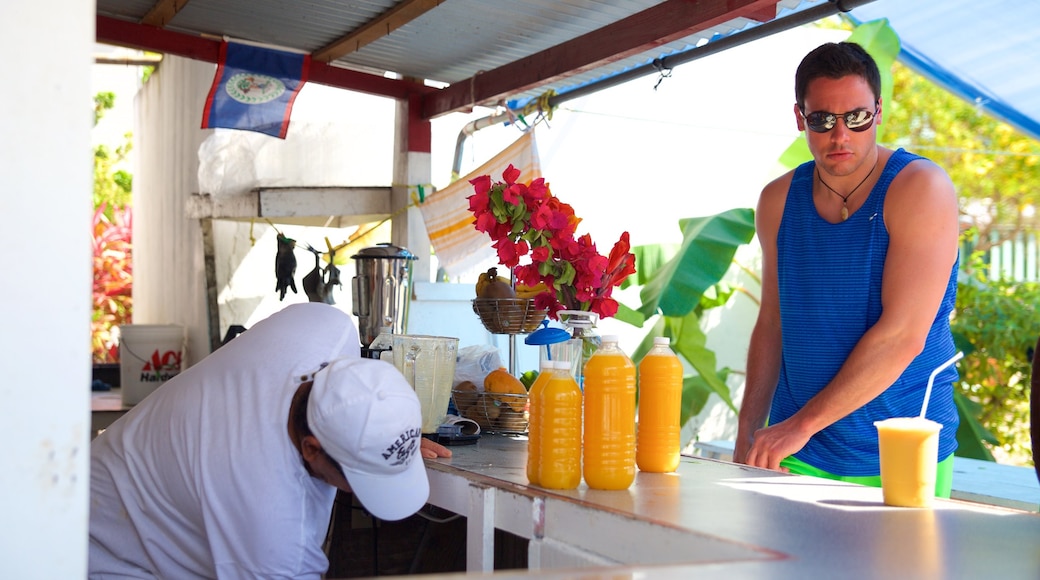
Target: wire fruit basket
[(494, 412), (508, 315)]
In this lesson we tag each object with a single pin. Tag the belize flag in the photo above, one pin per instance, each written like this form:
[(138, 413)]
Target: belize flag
[(254, 89)]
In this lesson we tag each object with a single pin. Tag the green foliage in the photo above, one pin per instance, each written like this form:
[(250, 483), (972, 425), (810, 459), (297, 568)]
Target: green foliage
[(678, 284), (995, 169), (970, 433), (103, 102), (996, 322), (675, 288), (112, 187)]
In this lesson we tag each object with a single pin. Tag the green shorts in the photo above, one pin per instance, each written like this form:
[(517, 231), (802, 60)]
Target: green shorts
[(943, 474)]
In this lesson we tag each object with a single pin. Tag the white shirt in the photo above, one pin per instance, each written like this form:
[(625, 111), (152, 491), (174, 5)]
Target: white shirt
[(200, 479)]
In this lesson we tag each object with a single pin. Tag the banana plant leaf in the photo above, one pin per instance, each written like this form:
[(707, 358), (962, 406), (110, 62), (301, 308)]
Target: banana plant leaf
[(649, 259), (691, 342), (971, 433), (675, 288), (688, 340), (674, 281)]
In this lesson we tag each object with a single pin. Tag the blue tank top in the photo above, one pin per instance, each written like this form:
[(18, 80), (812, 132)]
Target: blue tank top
[(830, 294)]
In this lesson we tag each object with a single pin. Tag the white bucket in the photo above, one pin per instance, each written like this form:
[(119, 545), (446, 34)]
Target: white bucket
[(149, 355)]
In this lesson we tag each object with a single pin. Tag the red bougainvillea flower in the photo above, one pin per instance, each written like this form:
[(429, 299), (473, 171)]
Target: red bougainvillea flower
[(527, 223), (622, 263)]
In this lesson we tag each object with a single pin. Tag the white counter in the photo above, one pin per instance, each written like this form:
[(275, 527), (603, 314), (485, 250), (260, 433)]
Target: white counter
[(718, 519)]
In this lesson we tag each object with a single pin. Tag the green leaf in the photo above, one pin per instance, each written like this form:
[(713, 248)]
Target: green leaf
[(971, 433), (707, 250), (689, 341), (681, 275), (633, 317), (695, 394), (878, 39), (659, 329), (796, 153), (649, 259)]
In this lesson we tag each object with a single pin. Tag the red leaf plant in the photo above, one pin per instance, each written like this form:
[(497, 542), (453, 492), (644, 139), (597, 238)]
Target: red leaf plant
[(113, 279), (525, 221)]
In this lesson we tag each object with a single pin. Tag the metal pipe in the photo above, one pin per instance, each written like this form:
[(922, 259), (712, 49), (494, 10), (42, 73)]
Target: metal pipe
[(763, 30), (469, 129), (799, 18)]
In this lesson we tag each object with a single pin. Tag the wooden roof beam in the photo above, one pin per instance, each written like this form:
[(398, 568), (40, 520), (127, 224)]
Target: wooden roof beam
[(153, 39), (163, 11), (386, 23), (655, 26)]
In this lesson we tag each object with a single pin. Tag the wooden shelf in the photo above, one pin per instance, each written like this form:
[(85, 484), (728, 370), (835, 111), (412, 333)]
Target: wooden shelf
[(308, 206)]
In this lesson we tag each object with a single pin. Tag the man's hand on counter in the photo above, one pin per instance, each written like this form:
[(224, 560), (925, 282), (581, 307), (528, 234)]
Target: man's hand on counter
[(431, 450)]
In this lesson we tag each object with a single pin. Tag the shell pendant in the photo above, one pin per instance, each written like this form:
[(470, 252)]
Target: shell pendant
[(844, 212)]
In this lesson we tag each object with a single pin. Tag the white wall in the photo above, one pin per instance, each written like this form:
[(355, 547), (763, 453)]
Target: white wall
[(45, 201), (169, 275)]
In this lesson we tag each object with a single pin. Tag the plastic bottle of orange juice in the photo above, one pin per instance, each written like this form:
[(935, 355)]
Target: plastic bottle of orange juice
[(660, 404), (534, 422), (610, 418), (560, 453)]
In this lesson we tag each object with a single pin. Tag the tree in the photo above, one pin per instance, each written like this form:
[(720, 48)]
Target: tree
[(112, 186), (995, 168)]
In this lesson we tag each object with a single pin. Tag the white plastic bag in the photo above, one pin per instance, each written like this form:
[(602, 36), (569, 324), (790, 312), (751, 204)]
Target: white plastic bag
[(475, 362)]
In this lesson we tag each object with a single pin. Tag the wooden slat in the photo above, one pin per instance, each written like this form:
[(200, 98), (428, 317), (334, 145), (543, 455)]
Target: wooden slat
[(163, 12), (656, 26), (386, 23)]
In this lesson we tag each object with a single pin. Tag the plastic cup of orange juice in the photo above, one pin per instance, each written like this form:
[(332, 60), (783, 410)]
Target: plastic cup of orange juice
[(909, 449)]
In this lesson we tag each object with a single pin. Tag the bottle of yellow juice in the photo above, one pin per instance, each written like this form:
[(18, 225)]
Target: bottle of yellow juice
[(608, 458), (534, 421), (660, 405), (560, 425)]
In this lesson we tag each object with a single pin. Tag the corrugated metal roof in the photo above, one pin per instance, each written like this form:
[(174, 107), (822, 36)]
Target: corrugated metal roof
[(452, 42)]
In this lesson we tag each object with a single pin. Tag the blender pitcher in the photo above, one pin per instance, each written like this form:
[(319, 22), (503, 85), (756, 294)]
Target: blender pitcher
[(381, 292), (428, 364)]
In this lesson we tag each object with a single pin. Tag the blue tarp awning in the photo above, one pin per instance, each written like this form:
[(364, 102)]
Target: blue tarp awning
[(988, 53)]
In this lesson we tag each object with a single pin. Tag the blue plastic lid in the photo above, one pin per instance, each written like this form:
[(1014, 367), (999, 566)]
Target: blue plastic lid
[(546, 335)]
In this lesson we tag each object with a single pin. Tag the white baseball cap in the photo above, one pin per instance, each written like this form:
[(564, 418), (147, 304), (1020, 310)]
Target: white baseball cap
[(367, 417)]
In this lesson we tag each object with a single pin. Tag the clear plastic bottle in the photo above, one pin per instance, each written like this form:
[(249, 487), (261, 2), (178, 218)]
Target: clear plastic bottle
[(660, 405), (534, 420), (581, 325), (560, 453), (608, 459)]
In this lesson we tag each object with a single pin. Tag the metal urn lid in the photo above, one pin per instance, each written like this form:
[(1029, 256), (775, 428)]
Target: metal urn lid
[(384, 251)]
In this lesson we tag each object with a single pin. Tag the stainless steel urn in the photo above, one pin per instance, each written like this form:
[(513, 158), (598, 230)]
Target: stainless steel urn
[(381, 290)]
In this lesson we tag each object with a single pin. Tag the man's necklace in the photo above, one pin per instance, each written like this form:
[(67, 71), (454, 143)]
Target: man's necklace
[(845, 198)]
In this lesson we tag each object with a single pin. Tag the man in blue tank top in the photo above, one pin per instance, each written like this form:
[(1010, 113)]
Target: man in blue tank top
[(859, 278)]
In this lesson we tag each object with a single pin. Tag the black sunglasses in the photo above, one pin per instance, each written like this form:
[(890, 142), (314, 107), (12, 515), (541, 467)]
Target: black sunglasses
[(823, 121)]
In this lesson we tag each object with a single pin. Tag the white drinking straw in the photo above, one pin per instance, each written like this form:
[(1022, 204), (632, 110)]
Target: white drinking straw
[(931, 379)]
